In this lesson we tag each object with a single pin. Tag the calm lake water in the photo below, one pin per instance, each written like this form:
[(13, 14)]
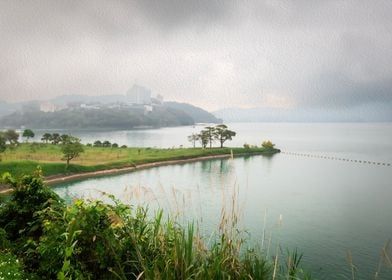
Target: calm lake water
[(327, 207)]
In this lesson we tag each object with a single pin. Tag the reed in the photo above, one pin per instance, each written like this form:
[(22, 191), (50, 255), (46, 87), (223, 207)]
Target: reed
[(91, 239)]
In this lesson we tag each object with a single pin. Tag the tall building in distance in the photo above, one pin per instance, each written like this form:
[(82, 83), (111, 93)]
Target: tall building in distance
[(139, 95)]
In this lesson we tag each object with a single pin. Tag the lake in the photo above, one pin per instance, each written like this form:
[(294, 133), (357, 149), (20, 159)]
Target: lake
[(318, 195)]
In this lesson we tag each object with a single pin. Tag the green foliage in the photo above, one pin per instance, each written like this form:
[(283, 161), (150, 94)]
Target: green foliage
[(193, 138), (96, 240), (46, 137), (28, 133), (97, 158), (80, 241), (98, 143), (204, 138), (11, 136), (2, 143), (246, 146), (10, 266), (64, 138), (106, 144), (222, 134), (55, 138), (4, 242), (71, 149), (268, 145), (20, 215), (210, 134)]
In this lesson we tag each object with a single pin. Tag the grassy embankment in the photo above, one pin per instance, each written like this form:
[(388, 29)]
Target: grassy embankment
[(25, 158), (41, 237)]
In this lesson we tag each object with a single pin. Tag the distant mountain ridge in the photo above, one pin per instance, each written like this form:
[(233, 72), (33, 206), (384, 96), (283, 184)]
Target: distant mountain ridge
[(199, 115), (113, 111), (104, 118), (377, 113)]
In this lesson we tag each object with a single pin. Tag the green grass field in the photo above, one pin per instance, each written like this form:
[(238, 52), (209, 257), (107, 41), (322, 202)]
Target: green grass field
[(26, 157)]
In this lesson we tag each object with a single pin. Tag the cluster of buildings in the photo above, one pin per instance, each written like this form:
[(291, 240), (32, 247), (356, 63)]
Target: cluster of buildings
[(136, 97)]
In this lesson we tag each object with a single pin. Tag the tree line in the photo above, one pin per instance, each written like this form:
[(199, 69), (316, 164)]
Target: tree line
[(210, 134)]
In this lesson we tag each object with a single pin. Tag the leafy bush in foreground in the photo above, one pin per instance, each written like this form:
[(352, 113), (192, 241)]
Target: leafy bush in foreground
[(96, 240)]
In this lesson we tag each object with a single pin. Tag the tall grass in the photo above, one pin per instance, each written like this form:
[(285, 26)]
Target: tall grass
[(97, 240)]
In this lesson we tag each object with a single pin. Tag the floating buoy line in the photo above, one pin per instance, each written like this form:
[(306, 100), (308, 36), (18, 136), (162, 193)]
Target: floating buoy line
[(337, 158)]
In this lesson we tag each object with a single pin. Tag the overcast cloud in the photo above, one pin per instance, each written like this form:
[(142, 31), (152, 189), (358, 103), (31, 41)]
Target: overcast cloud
[(215, 54)]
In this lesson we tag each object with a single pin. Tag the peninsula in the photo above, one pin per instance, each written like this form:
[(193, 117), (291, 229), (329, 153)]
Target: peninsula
[(98, 161)]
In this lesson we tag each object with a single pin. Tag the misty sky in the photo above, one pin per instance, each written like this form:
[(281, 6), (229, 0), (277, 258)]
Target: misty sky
[(332, 55)]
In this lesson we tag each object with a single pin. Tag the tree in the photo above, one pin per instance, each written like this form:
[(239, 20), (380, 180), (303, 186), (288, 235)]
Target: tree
[(71, 149), (11, 136), (2, 143), (64, 138), (28, 133), (268, 145), (114, 145), (193, 138), (97, 143), (223, 134), (203, 138), (106, 144), (210, 133), (55, 138), (46, 137)]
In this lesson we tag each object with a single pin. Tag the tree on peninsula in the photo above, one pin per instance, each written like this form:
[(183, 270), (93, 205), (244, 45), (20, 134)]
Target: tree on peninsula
[(28, 133), (46, 137), (11, 136), (2, 143), (193, 138), (64, 138), (268, 145), (203, 138), (55, 138), (210, 134), (71, 149), (222, 134)]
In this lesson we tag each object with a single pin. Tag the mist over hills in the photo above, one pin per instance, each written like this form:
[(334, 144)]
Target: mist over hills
[(376, 113), (102, 112)]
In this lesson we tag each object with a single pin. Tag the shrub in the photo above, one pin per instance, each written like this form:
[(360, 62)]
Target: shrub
[(21, 217), (268, 145), (97, 143), (106, 143), (96, 240), (10, 267)]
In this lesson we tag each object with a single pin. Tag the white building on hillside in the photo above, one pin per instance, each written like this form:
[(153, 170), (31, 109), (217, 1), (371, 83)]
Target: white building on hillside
[(139, 95)]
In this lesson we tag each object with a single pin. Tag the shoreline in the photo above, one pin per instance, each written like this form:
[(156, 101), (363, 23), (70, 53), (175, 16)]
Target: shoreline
[(57, 179)]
